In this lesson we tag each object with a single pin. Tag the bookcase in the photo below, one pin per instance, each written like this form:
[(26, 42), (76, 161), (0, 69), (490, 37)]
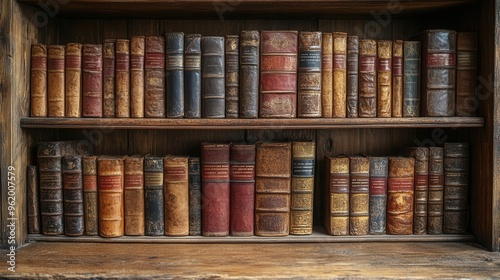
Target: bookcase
[(25, 22)]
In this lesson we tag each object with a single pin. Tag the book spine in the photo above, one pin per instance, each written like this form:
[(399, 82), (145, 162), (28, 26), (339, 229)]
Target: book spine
[(352, 76), (212, 75), (176, 196), (73, 195), (249, 74), (400, 193), (134, 195), (38, 80), (339, 74), (384, 78), (175, 74), (467, 49), (421, 155), (194, 182), (32, 200), (90, 203), (137, 46), (122, 79), (73, 80), (309, 75), (327, 75), (359, 196), (367, 78), (154, 81), (436, 186), (397, 78), (232, 76), (110, 193), (192, 76), (154, 214), (337, 192), (378, 194), (411, 78), (92, 81), (278, 74), (108, 78), (55, 81)]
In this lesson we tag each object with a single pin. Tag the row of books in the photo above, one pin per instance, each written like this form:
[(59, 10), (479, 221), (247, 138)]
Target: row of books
[(267, 74)]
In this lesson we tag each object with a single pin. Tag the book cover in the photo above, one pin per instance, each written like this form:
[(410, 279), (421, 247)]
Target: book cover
[(359, 196), (327, 75), (309, 75), (194, 181), (137, 48), (339, 74), (110, 194), (192, 76), (421, 156), (55, 81), (72, 195), (352, 76), (232, 75), (33, 200), (154, 213), (411, 78), (467, 51), (379, 172), (38, 80), (213, 91), (92, 81), (397, 78), (384, 79), (176, 195), (436, 187), (108, 78), (337, 180), (400, 193), (134, 195), (122, 78), (175, 74), (90, 202), (73, 80), (367, 78), (249, 74), (154, 81)]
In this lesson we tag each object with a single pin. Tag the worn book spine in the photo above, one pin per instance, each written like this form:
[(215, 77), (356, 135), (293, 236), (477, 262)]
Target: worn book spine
[(38, 80), (397, 78), (436, 186), (108, 78), (421, 156), (339, 74), (278, 74), (134, 195), (174, 55), (154, 206), (309, 75), (73, 195), (411, 78), (212, 74), (194, 181), (302, 189), (400, 195), (154, 81), (73, 80), (55, 81), (359, 196), (176, 195), (232, 76), (456, 188), (467, 51), (352, 76), (122, 79), (378, 194), (272, 188), (33, 200), (137, 46), (192, 76), (384, 79), (110, 192), (327, 75), (90, 203), (92, 80), (367, 78), (249, 74), (337, 179)]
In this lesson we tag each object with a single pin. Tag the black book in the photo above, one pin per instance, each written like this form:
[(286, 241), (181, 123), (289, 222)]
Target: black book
[(175, 74), (153, 195)]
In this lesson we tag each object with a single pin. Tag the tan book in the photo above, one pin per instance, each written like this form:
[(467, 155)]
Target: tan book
[(55, 81), (90, 203), (122, 79), (309, 75), (384, 79), (421, 187), (367, 99), (137, 45), (337, 180), (327, 75), (397, 78), (359, 196), (110, 193), (38, 81), (176, 195), (400, 193), (134, 195), (339, 74), (73, 72), (108, 78)]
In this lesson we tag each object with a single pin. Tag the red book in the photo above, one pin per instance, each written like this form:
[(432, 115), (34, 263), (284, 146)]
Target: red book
[(92, 80)]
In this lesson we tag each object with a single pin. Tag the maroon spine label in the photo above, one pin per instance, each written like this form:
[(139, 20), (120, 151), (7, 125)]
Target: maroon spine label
[(367, 64), (55, 64), (135, 181), (339, 183), (339, 61), (110, 182), (71, 181), (401, 184), (136, 62), (397, 66), (89, 182), (441, 59), (215, 172), (175, 173), (38, 63), (360, 182), (109, 67), (73, 62), (421, 180), (384, 64), (378, 186), (122, 62), (155, 60), (92, 62), (327, 62), (243, 172), (436, 180)]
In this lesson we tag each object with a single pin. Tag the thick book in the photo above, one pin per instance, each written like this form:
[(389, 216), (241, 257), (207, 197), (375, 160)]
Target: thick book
[(467, 52), (176, 195), (400, 195), (379, 172), (122, 78), (213, 91), (411, 78), (38, 80), (92, 80), (421, 193), (73, 80), (339, 74), (154, 79), (154, 214), (215, 189), (302, 189), (55, 81), (278, 74), (108, 78), (367, 78), (232, 76), (309, 75), (174, 67), (194, 181), (137, 47), (242, 189), (110, 193), (192, 76), (272, 188), (73, 195), (384, 79), (249, 74), (327, 75), (90, 203), (134, 195), (352, 76), (359, 196), (436, 187), (456, 188), (337, 179), (33, 200), (397, 78)]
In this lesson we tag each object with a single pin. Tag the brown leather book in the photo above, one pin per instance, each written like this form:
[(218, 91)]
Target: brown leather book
[(278, 74), (232, 76), (73, 195), (108, 76), (400, 195), (397, 78), (302, 190), (154, 81), (176, 195), (327, 75), (352, 76), (92, 80), (249, 74), (122, 78), (134, 195), (339, 74), (55, 80), (90, 203), (38, 80), (110, 186), (359, 196), (421, 156), (467, 50), (309, 75), (73, 79), (367, 78), (272, 188), (337, 179), (32, 200), (436, 186), (137, 46), (194, 181), (212, 77), (384, 79)]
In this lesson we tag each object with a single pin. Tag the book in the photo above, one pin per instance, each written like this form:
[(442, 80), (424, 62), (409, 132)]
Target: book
[(337, 179), (367, 78), (72, 195), (249, 74), (359, 196), (411, 78), (192, 76), (90, 202), (154, 81), (73, 80), (379, 172), (108, 78), (278, 74), (137, 47), (38, 81), (110, 194), (242, 189), (174, 42), (436, 186), (215, 189), (384, 79), (194, 181), (154, 214), (309, 75), (33, 200), (122, 78), (339, 74), (92, 98), (327, 75), (55, 81), (232, 76), (400, 193), (212, 76), (133, 194), (302, 187), (272, 188), (176, 195), (397, 78), (467, 51), (421, 193), (352, 76)]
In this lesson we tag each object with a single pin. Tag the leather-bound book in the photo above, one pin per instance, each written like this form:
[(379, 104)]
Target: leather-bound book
[(378, 194), (339, 74), (194, 181), (90, 203), (55, 81), (359, 196), (302, 190), (352, 76), (73, 80), (110, 173), (400, 195), (176, 195), (73, 195), (33, 200), (215, 189), (212, 73), (175, 74), (367, 78), (122, 78), (466, 73), (249, 74), (436, 186), (232, 76), (154, 80), (134, 195), (278, 74), (337, 179), (153, 196), (384, 79), (242, 184), (411, 78), (439, 69), (108, 78), (272, 188), (421, 192), (192, 76), (38, 80), (327, 75), (456, 188), (397, 78), (137, 46), (309, 75), (92, 80)]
